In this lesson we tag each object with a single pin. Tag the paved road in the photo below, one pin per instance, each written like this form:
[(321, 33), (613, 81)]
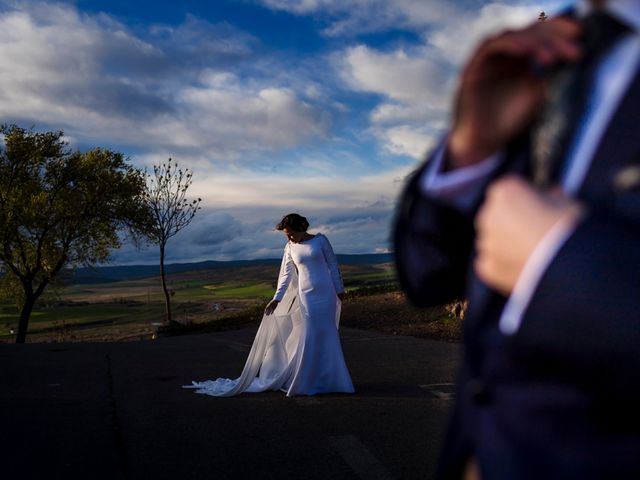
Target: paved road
[(116, 411)]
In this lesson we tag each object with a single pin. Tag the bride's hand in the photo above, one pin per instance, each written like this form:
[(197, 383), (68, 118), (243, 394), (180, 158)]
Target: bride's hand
[(271, 307)]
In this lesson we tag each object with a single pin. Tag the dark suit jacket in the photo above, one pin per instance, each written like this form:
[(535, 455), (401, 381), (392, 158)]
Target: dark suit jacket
[(559, 398)]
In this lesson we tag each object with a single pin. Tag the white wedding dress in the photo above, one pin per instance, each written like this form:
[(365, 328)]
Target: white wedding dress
[(297, 348)]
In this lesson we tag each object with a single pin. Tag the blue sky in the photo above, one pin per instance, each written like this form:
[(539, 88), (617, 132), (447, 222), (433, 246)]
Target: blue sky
[(317, 106)]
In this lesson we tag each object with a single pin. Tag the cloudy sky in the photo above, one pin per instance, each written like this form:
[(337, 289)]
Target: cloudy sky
[(317, 106)]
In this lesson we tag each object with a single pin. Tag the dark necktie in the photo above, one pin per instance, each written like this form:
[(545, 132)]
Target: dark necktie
[(567, 99)]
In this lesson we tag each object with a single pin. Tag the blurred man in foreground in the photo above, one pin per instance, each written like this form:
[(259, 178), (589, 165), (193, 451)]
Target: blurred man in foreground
[(530, 208)]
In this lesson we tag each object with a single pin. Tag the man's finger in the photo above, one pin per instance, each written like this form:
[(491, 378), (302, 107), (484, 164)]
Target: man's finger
[(553, 42), (562, 26)]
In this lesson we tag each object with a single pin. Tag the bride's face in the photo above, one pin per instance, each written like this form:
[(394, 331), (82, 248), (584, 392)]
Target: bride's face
[(293, 235)]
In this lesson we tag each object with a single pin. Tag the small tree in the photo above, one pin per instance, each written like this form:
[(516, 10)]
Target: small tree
[(59, 209), (171, 211), (542, 17)]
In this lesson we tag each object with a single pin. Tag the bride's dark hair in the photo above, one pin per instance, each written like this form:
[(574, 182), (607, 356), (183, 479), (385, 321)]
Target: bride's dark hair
[(293, 221)]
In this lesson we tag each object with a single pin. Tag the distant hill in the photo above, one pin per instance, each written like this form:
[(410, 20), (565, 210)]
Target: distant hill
[(133, 272)]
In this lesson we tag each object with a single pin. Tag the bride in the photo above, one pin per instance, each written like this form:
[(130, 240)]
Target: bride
[(297, 346)]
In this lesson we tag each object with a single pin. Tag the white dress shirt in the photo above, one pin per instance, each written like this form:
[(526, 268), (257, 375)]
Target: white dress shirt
[(459, 187)]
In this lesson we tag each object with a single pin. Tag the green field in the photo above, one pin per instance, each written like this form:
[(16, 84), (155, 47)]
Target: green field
[(259, 290), (129, 309)]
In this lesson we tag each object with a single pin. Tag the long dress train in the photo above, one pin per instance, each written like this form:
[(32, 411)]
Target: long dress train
[(297, 348)]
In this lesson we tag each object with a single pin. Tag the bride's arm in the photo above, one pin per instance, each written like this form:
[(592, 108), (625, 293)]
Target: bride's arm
[(332, 263), (286, 272)]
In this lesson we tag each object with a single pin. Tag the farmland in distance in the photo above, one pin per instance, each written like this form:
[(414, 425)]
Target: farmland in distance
[(209, 296)]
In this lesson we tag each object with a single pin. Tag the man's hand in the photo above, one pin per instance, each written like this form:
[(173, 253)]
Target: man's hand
[(509, 226), (500, 91), (271, 307)]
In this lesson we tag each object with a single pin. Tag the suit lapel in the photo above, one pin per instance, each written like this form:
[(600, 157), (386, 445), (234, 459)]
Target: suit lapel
[(619, 147)]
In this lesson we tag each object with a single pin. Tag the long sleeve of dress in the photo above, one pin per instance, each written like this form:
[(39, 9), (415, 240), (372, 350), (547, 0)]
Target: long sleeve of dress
[(286, 271), (332, 263)]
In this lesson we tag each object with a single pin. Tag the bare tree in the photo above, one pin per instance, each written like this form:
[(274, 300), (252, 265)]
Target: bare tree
[(171, 210)]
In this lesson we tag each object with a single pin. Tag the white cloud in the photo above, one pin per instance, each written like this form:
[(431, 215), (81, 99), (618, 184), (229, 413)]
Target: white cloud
[(389, 113), (363, 16), (415, 77), (415, 142), (227, 119), (298, 6), (175, 89), (415, 87), (417, 83), (240, 209), (243, 187), (195, 39), (199, 91), (456, 38)]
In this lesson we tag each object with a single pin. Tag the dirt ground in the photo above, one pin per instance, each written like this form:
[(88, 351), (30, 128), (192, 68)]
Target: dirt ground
[(388, 312), (392, 313)]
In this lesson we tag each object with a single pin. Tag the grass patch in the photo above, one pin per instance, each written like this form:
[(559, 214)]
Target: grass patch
[(83, 315), (260, 290)]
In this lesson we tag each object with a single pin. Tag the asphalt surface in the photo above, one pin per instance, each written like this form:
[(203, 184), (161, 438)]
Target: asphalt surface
[(117, 411)]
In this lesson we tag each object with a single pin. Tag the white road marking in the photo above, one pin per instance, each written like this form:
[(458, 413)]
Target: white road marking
[(443, 391)]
